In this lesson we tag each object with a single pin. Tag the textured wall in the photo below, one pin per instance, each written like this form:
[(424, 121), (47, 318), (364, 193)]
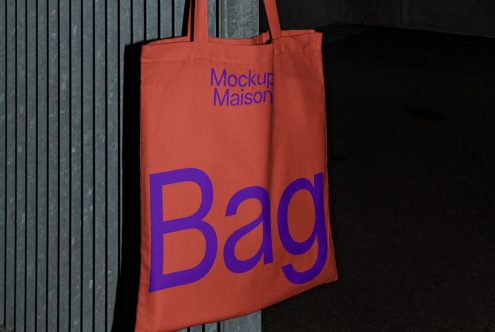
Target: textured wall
[(69, 194)]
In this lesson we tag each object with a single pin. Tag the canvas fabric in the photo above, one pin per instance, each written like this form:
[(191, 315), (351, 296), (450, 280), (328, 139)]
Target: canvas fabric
[(234, 176)]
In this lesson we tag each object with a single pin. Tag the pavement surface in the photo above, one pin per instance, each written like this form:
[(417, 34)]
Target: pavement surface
[(411, 120)]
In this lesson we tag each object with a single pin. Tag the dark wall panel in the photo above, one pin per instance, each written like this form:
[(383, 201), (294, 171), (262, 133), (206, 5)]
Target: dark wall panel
[(459, 16), (378, 12), (312, 13), (467, 16)]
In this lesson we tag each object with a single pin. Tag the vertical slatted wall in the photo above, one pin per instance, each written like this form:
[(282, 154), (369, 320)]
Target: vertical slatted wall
[(62, 102)]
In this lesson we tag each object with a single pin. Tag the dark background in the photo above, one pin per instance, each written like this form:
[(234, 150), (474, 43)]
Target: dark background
[(411, 120)]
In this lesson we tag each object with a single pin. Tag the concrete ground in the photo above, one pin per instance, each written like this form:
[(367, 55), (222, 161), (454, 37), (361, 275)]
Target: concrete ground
[(412, 161)]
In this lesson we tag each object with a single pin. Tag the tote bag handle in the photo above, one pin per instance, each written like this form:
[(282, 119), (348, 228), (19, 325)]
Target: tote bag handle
[(200, 24)]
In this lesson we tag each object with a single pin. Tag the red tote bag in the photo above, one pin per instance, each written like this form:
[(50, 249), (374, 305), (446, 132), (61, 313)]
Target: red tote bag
[(234, 180)]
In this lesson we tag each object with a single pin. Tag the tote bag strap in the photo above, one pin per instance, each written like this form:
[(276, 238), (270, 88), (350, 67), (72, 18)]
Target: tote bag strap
[(200, 24)]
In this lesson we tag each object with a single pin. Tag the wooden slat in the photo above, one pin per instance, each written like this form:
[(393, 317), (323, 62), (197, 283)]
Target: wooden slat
[(100, 166), (53, 165), (166, 10), (88, 199), (20, 204), (31, 190), (239, 18), (113, 157), (64, 165), (138, 20), (75, 193), (11, 208), (179, 17), (42, 168), (3, 157), (152, 19), (212, 18)]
